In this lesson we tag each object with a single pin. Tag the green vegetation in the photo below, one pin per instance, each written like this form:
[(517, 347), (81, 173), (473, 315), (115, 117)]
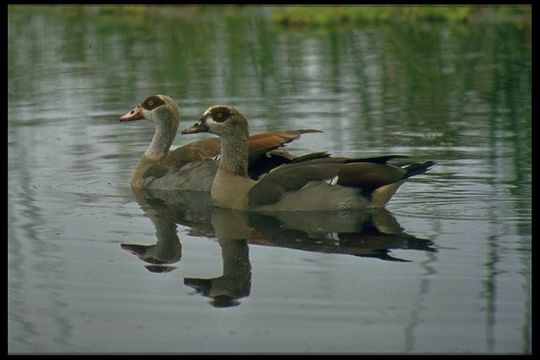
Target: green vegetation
[(356, 15), (295, 16)]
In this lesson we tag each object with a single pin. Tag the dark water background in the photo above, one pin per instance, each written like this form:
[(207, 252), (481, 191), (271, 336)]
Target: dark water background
[(446, 268)]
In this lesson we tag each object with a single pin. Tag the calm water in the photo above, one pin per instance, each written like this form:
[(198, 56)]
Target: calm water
[(93, 267)]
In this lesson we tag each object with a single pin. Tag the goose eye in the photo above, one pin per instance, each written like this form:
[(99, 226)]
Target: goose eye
[(152, 102), (219, 115)]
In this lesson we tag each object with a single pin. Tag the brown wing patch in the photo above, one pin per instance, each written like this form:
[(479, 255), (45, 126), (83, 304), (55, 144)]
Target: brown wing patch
[(198, 150), (368, 176), (273, 139)]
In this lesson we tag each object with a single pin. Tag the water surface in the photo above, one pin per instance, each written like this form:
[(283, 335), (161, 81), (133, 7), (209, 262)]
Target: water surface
[(95, 267)]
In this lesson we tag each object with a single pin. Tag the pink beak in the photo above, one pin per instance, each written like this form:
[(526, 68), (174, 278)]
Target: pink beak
[(135, 114)]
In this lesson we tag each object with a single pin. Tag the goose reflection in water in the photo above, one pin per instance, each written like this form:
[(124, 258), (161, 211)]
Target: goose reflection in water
[(166, 209), (370, 233)]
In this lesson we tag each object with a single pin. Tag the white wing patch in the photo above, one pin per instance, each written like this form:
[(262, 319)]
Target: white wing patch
[(332, 181), (332, 236)]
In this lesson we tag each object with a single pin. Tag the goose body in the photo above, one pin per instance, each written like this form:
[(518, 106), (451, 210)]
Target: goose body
[(192, 166), (318, 184)]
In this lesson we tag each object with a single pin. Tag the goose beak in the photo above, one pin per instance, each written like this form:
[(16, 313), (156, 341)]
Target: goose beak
[(135, 114), (196, 128)]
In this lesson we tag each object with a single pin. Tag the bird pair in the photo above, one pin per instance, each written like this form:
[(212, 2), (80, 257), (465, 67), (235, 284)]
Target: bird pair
[(311, 182)]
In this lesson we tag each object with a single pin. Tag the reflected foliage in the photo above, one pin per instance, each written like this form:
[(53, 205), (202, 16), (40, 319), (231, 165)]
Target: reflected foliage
[(235, 55)]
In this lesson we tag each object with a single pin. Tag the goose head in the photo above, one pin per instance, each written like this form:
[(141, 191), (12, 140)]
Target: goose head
[(232, 127), (222, 120), (164, 113), (160, 109)]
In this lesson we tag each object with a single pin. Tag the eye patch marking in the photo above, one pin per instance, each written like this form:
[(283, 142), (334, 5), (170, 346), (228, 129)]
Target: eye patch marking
[(152, 102), (220, 113)]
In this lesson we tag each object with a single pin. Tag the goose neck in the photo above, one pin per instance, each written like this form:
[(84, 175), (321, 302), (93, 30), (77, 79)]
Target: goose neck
[(234, 154), (162, 140)]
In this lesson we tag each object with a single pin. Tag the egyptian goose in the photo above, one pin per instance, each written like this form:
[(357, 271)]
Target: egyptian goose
[(320, 184), (185, 168)]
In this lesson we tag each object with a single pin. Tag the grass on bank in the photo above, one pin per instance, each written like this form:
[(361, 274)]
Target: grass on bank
[(356, 15), (301, 16)]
